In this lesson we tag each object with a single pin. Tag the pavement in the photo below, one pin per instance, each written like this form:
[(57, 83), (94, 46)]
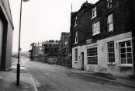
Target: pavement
[(8, 80), (105, 77)]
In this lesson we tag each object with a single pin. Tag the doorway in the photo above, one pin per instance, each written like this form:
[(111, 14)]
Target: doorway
[(82, 59)]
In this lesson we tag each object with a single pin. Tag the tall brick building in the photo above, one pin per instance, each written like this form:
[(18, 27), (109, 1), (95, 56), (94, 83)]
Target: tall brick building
[(6, 30), (102, 36)]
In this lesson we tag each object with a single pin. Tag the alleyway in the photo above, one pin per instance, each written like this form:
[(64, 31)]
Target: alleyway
[(58, 78)]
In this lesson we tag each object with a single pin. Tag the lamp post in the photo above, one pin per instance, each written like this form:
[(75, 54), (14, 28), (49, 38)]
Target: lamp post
[(19, 43)]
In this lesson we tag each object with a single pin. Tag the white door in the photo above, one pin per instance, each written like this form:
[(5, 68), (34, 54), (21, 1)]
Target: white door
[(1, 38)]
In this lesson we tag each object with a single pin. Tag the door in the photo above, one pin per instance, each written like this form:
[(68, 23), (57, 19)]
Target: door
[(1, 38), (82, 58)]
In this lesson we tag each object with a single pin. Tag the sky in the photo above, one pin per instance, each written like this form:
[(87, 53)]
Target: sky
[(42, 20)]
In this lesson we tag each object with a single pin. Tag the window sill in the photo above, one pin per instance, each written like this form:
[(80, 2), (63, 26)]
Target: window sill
[(113, 63), (126, 65)]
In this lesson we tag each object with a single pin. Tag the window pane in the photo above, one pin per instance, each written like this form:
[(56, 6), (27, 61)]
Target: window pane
[(122, 50), (111, 55), (92, 55), (129, 55), (123, 55), (123, 60), (122, 44), (128, 43), (96, 28), (111, 50), (129, 49), (129, 60)]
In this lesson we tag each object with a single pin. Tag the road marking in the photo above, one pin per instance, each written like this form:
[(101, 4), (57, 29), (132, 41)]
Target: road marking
[(35, 88)]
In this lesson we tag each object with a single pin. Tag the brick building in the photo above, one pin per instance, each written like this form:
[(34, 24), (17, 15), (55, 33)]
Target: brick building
[(6, 30), (102, 36)]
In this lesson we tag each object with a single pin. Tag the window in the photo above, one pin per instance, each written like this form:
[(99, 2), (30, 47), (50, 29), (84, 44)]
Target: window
[(109, 3), (96, 28), (110, 23), (126, 54), (111, 52), (76, 37), (94, 13), (75, 21), (76, 54), (92, 56)]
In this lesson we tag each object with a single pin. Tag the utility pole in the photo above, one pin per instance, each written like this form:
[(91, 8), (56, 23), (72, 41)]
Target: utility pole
[(19, 43)]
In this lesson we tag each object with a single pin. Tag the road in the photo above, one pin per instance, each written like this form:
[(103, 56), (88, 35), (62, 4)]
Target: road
[(58, 78)]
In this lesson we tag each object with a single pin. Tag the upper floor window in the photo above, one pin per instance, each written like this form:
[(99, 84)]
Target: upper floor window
[(94, 12), (76, 37), (96, 28), (110, 23), (75, 21), (109, 3)]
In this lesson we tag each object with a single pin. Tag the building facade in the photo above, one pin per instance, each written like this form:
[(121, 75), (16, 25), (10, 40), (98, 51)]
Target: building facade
[(6, 32), (102, 36)]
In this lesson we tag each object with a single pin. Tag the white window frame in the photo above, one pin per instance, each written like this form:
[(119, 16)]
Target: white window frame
[(110, 25), (126, 64), (96, 28), (94, 12)]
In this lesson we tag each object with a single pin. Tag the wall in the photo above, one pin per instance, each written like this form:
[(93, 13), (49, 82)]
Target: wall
[(103, 65)]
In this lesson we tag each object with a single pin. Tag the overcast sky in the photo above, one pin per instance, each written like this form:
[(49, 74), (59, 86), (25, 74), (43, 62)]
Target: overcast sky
[(42, 20)]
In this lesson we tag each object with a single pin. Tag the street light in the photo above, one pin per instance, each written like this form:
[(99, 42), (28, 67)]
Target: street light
[(19, 49)]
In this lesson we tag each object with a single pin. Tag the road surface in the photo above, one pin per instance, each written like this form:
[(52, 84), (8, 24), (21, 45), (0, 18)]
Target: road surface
[(58, 78)]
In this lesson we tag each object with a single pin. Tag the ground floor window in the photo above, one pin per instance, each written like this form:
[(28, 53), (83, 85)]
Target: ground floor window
[(76, 54), (92, 55), (126, 54), (111, 52)]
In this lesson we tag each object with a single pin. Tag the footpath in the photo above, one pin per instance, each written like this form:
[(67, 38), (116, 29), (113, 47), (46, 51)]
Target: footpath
[(105, 78), (8, 81)]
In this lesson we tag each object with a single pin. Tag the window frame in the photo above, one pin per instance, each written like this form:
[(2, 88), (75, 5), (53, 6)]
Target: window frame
[(112, 52), (96, 28), (76, 37), (94, 12), (92, 56), (126, 64), (109, 4), (110, 24)]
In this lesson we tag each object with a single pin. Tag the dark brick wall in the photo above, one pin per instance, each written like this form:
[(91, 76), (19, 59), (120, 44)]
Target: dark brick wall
[(123, 18)]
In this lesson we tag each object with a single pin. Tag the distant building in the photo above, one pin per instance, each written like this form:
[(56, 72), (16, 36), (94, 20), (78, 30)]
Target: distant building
[(102, 37), (51, 48), (36, 50), (6, 30), (64, 49)]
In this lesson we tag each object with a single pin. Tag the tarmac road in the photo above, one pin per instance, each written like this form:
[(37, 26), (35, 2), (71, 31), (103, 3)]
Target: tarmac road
[(58, 78)]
